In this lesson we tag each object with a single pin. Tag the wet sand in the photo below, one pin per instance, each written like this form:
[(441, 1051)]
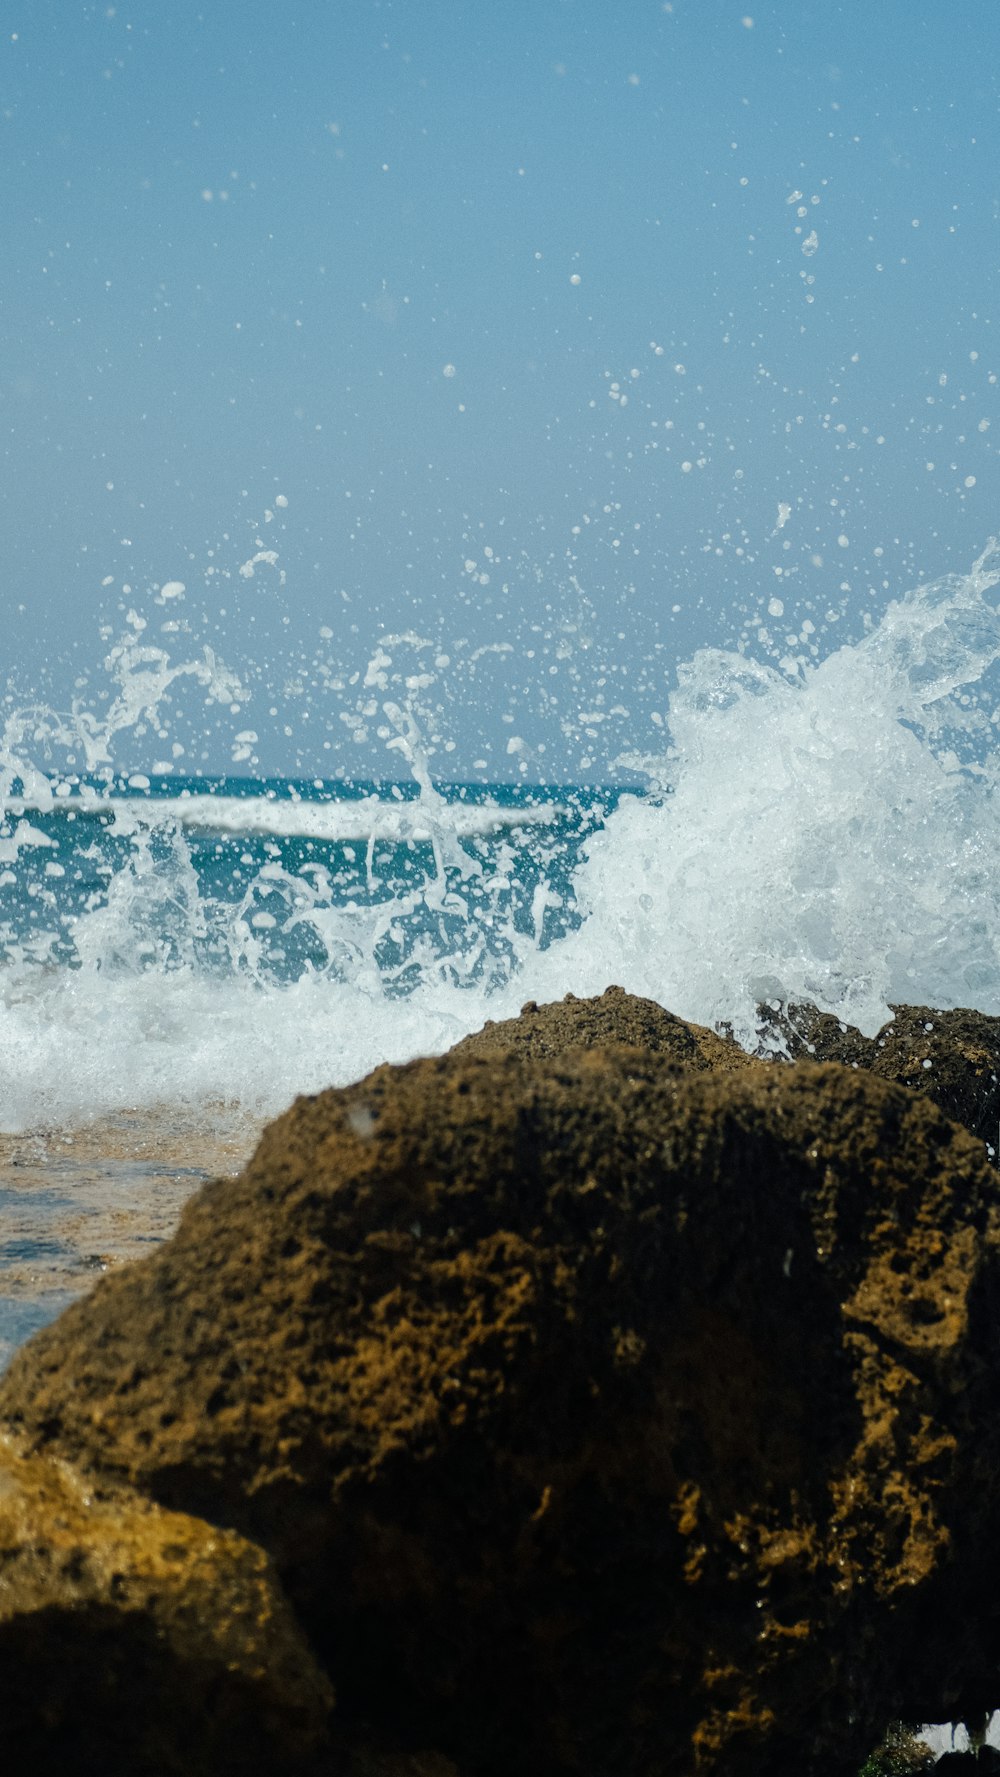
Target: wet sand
[(76, 1202)]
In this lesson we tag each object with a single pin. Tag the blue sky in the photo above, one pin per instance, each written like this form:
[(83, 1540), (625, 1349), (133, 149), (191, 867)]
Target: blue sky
[(538, 317)]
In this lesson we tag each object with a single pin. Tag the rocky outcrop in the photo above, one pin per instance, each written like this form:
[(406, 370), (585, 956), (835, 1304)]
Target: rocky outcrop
[(952, 1058), (614, 1017), (138, 1642), (601, 1413)]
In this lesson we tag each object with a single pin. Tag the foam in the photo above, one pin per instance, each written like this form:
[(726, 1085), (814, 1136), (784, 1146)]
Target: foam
[(832, 835), (367, 817), (827, 832)]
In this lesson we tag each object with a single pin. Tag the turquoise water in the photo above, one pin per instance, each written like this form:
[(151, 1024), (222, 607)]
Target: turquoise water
[(170, 946), (824, 828), (281, 878)]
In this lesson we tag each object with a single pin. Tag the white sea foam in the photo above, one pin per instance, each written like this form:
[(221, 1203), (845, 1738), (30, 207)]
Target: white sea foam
[(830, 833), (289, 817), (833, 836), (82, 1046)]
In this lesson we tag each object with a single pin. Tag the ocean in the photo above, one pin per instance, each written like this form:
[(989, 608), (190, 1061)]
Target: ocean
[(181, 954), (218, 944)]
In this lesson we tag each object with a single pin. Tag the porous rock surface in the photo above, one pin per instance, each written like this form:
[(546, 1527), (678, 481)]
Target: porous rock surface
[(614, 1017), (951, 1057), (138, 1642), (601, 1414)]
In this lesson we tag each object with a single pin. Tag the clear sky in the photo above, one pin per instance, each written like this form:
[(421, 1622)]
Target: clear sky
[(587, 332)]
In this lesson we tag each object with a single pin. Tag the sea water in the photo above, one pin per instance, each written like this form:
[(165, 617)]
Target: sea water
[(218, 940), (823, 828)]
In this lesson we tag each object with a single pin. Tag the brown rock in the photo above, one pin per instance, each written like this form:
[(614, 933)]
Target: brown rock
[(138, 1641), (602, 1415), (615, 1017), (571, 1023), (952, 1058)]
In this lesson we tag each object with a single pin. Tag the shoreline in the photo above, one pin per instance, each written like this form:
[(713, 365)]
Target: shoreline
[(89, 1198)]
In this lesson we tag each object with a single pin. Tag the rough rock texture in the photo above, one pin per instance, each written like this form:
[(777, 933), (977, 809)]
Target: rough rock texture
[(615, 1017), (601, 1415), (138, 1641), (571, 1023), (952, 1058)]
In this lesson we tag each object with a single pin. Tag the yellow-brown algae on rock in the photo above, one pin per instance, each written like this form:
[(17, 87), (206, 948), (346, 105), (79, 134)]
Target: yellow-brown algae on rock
[(137, 1640), (601, 1413)]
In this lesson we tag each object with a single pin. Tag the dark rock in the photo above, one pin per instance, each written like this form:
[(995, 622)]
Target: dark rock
[(137, 1642), (952, 1058), (601, 1415), (368, 1757)]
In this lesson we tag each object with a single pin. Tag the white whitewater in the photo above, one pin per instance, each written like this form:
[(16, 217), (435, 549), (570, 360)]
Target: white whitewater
[(832, 836), (827, 831), (291, 817)]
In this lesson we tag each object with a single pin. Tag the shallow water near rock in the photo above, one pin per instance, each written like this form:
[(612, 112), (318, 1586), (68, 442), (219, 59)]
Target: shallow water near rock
[(81, 1201)]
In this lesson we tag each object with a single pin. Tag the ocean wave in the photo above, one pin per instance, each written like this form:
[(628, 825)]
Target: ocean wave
[(359, 820)]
